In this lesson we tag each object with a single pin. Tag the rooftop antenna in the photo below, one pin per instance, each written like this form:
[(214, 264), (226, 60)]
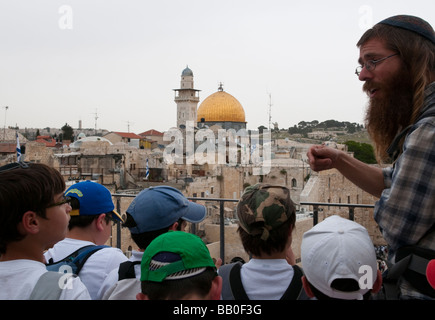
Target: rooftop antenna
[(96, 117), (4, 128), (128, 125), (270, 109)]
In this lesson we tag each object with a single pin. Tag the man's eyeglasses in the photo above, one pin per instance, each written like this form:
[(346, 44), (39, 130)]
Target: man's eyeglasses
[(370, 65), (63, 201)]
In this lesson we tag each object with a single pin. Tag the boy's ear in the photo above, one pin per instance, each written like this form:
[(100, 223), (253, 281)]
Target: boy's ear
[(29, 223), (216, 288), (100, 222), (174, 226), (307, 287), (141, 296), (378, 283)]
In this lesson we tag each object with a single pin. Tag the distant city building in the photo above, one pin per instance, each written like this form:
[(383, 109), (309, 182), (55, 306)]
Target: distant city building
[(129, 138), (221, 109), (186, 98), (153, 136)]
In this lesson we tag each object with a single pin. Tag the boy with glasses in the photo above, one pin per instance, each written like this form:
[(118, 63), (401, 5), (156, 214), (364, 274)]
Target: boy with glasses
[(91, 216), (34, 215)]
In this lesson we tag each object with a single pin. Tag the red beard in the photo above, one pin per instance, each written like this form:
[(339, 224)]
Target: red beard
[(389, 110)]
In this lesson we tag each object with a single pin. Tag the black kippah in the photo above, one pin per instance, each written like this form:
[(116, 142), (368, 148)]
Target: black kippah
[(411, 23)]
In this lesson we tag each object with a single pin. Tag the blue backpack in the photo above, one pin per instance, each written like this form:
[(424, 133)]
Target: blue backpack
[(48, 286), (75, 261)]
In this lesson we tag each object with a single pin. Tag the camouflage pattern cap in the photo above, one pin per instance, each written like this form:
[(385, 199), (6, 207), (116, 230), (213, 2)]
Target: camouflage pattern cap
[(265, 203)]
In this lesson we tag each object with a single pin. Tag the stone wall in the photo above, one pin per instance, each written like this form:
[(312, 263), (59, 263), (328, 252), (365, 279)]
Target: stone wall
[(331, 186)]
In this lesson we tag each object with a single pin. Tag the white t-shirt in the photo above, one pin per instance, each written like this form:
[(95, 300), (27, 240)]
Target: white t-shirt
[(96, 268), (19, 277), (123, 290), (266, 279)]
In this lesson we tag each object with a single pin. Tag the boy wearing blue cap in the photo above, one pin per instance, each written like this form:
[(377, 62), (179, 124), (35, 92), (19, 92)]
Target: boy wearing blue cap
[(90, 224), (154, 211)]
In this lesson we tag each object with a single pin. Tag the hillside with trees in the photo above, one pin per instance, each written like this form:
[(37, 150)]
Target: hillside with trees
[(351, 134), (305, 127)]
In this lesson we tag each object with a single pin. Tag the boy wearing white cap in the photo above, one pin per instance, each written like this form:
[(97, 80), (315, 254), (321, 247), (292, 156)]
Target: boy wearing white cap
[(339, 261)]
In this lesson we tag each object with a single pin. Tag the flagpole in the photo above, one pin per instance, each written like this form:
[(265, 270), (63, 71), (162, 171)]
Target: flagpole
[(147, 171), (18, 147)]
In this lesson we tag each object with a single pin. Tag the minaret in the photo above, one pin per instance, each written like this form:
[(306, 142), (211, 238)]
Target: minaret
[(187, 99)]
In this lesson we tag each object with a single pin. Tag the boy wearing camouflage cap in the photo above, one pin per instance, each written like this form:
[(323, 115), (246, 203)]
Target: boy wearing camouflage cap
[(267, 218)]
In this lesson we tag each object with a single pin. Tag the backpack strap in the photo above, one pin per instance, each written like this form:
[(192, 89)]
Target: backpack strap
[(237, 289), (49, 286), (88, 251), (75, 260), (295, 289), (224, 272), (411, 263), (126, 270), (71, 256), (232, 288)]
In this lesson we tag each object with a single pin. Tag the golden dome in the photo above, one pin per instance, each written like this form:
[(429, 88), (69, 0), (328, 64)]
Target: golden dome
[(221, 107)]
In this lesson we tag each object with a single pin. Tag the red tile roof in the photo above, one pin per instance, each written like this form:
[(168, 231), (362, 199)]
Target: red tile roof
[(8, 147), (128, 135), (151, 132), (47, 140)]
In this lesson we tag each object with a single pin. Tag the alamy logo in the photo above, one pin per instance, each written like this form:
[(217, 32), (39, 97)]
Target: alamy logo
[(366, 279), (66, 19), (65, 282), (241, 148)]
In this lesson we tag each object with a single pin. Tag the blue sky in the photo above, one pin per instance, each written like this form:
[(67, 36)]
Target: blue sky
[(64, 61)]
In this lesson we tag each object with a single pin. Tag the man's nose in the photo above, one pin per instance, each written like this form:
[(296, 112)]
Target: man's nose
[(365, 75)]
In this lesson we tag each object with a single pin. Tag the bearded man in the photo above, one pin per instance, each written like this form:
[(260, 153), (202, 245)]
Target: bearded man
[(397, 65)]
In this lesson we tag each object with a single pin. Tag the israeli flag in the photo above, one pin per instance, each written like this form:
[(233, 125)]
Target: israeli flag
[(253, 147), (18, 148), (147, 171)]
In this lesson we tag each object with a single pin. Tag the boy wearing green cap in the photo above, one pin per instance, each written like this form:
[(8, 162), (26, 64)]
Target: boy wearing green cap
[(178, 266), (154, 211)]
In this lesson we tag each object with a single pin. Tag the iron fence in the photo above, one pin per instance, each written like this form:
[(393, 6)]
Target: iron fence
[(222, 201), (350, 206)]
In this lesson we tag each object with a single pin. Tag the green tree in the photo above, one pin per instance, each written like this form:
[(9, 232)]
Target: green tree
[(67, 132), (261, 128), (362, 151)]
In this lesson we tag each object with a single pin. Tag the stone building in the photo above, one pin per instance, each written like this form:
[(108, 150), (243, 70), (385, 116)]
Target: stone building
[(121, 167), (221, 109), (186, 98)]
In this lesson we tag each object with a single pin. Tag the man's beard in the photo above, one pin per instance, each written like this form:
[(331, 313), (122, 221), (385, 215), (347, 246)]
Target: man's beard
[(388, 111)]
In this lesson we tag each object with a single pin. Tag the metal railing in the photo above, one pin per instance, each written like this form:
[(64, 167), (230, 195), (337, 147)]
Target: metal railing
[(222, 201), (350, 206)]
